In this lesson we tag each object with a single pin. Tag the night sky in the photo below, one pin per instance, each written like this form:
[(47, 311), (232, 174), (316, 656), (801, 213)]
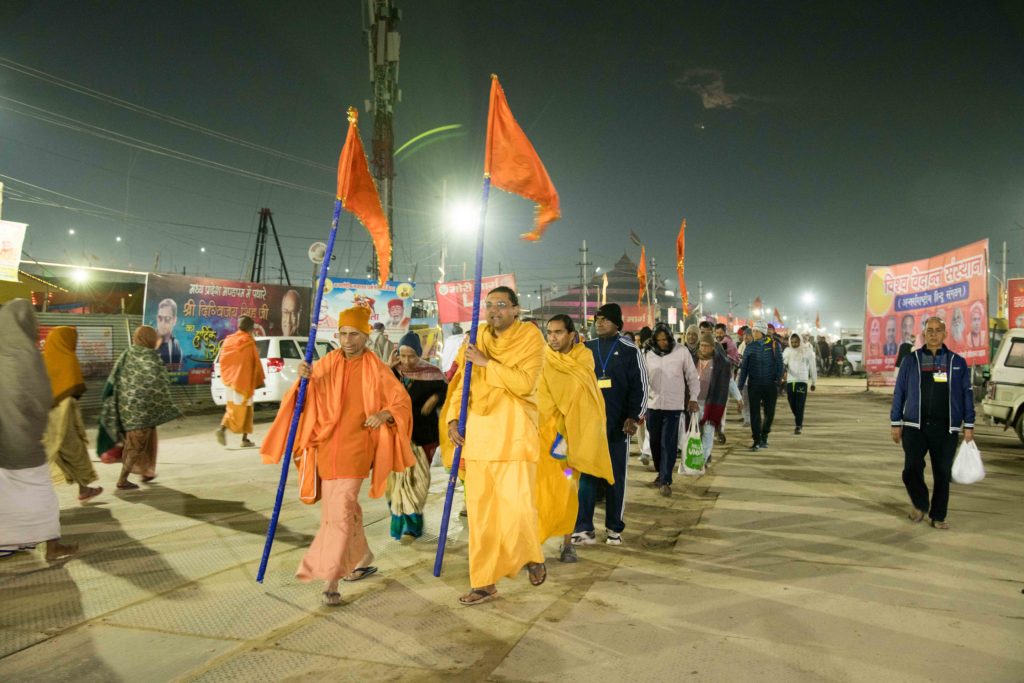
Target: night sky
[(801, 141)]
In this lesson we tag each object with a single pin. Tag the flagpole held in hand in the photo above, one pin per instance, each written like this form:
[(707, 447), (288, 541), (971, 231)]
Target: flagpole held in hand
[(442, 539), (300, 400)]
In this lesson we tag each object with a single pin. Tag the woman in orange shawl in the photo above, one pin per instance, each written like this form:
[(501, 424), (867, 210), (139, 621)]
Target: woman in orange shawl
[(357, 419), (67, 447)]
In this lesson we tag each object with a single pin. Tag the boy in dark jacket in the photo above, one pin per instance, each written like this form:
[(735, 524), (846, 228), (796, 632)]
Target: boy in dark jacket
[(932, 402)]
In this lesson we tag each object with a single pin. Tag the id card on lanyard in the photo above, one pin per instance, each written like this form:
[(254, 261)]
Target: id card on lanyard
[(604, 381)]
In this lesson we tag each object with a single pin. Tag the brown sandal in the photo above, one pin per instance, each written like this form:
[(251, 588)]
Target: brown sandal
[(477, 596), (940, 525)]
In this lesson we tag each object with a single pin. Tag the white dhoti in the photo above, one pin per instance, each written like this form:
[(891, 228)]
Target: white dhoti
[(29, 510)]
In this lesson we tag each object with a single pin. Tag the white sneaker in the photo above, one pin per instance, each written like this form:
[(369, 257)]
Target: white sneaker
[(613, 538), (584, 538)]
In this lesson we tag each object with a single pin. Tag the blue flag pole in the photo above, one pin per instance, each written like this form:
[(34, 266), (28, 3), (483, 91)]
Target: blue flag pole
[(453, 477), (300, 400)]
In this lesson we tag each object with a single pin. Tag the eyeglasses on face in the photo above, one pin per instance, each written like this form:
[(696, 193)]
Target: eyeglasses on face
[(500, 305)]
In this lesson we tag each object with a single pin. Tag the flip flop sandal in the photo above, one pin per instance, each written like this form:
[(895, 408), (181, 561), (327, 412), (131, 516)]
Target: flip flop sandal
[(915, 515), (89, 496), (148, 479), (940, 525), (331, 599), (477, 596), (360, 573), (127, 487), (540, 569)]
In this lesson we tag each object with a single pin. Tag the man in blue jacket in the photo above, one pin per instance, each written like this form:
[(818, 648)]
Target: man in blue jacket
[(762, 368), (622, 378), (932, 402)]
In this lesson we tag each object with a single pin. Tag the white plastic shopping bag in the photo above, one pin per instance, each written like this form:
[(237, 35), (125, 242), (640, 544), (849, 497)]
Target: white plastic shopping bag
[(692, 461), (967, 467)]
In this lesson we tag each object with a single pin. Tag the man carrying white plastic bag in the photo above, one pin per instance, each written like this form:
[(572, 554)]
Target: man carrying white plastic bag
[(932, 403), (967, 468)]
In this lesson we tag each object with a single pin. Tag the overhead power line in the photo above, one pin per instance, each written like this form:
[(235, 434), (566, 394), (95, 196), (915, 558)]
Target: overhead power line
[(152, 113)]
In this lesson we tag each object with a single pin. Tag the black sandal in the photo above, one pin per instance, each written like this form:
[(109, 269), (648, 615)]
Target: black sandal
[(531, 569), (360, 573)]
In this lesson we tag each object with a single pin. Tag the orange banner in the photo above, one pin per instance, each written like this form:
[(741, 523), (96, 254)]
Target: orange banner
[(901, 297)]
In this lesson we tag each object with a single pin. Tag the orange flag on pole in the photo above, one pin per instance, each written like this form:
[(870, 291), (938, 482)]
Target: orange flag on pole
[(513, 165), (680, 266), (604, 290), (778, 316), (817, 320), (358, 195), (641, 275)]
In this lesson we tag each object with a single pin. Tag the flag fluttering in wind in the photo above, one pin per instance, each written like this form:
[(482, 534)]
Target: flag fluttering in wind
[(641, 275), (757, 307), (680, 266), (634, 239), (778, 316), (512, 163), (604, 290), (817, 320), (358, 195)]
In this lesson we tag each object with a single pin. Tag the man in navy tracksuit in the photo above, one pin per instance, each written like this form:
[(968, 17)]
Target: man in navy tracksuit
[(932, 400), (761, 370), (622, 378)]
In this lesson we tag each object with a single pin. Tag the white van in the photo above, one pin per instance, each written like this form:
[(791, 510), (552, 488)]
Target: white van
[(280, 357), (1004, 400)]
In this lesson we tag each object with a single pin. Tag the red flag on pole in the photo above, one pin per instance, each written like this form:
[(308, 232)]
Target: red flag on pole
[(641, 275), (358, 195), (757, 307), (778, 316), (513, 165), (680, 262), (817, 320)]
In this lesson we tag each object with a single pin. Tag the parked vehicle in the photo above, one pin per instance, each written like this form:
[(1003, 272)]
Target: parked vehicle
[(280, 357), (1004, 397), (854, 357)]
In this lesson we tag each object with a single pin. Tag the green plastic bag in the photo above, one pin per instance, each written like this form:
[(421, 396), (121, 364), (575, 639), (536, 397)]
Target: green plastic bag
[(693, 460)]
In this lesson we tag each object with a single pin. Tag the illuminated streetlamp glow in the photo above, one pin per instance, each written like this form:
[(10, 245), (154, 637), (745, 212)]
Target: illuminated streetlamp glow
[(808, 298), (202, 249), (79, 275), (709, 296), (463, 217), (71, 231), (118, 238)]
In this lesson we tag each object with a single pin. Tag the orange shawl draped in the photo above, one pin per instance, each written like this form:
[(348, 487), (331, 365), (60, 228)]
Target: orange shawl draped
[(240, 367), (391, 443), (62, 364)]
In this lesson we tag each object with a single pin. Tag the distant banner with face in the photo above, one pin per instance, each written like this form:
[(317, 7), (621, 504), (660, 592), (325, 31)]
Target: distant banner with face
[(193, 315), (455, 298), (391, 306), (1015, 302), (900, 299), (12, 236)]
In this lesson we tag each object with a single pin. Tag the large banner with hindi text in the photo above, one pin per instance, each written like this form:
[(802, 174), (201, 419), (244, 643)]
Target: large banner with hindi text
[(455, 298), (901, 297), (390, 306), (192, 315)]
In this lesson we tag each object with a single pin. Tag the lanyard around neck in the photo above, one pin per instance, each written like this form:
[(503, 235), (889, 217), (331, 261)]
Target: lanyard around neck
[(606, 359)]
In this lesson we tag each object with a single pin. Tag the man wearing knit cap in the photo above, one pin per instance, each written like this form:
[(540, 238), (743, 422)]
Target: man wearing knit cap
[(357, 418), (762, 367), (622, 379)]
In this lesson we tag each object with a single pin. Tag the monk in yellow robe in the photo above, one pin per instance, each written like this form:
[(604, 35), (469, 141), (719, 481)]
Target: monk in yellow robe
[(357, 419), (67, 447), (242, 374), (500, 446), (572, 432)]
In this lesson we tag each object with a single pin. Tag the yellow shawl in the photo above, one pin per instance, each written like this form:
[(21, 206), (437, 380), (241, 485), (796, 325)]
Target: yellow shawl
[(62, 363), (571, 405)]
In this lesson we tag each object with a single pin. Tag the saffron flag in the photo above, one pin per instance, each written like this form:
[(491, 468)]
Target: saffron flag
[(604, 290), (513, 165), (680, 269), (778, 316), (817, 320), (641, 275), (757, 307), (358, 195)]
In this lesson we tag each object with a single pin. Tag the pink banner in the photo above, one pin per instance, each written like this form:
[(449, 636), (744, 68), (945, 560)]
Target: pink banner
[(455, 298)]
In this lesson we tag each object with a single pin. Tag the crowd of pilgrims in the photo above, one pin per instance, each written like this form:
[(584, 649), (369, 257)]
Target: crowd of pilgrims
[(553, 413)]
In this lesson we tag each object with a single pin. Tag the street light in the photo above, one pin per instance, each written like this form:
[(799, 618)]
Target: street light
[(117, 239), (709, 296), (463, 217), (71, 231), (808, 298), (79, 275), (202, 249)]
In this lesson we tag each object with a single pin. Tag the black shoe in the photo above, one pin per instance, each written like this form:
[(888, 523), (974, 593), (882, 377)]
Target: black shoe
[(764, 443), (798, 430), (657, 482), (756, 447)]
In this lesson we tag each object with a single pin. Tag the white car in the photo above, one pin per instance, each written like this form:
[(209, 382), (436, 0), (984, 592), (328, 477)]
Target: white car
[(280, 357), (855, 355), (1004, 398)]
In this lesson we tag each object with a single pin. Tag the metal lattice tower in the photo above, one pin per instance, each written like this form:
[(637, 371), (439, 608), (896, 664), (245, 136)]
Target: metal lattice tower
[(380, 28)]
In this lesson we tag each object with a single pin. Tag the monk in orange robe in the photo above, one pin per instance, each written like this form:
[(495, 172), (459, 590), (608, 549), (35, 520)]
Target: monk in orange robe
[(357, 420), (242, 374), (501, 446)]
